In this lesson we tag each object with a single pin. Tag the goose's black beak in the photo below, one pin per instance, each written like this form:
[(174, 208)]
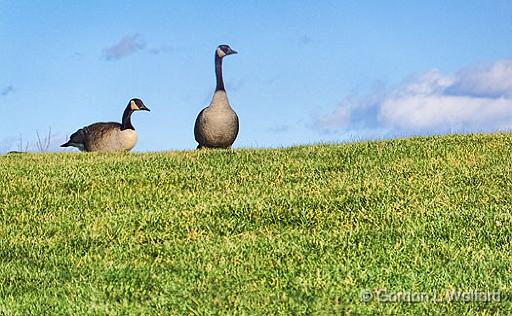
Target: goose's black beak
[(145, 108), (232, 52)]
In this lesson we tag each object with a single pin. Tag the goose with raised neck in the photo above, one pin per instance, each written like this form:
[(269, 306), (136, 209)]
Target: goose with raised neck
[(217, 125)]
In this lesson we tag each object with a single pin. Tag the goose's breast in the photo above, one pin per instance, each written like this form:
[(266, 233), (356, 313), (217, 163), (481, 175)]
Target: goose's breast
[(115, 140), (222, 118), (127, 139), (219, 126)]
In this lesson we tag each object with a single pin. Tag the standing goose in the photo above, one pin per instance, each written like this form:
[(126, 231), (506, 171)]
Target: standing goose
[(109, 136), (217, 125)]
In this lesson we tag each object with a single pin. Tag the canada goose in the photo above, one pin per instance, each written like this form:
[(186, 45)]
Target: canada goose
[(110, 136), (217, 125)]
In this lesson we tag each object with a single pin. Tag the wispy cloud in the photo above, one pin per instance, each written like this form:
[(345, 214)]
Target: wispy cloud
[(337, 120), (161, 50), (7, 90), (477, 98), (128, 45), (305, 39), (279, 129)]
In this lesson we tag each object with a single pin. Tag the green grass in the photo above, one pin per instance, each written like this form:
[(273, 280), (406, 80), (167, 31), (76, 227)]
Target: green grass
[(296, 231)]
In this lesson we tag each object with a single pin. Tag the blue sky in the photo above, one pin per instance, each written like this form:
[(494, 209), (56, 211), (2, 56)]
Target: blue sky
[(306, 72)]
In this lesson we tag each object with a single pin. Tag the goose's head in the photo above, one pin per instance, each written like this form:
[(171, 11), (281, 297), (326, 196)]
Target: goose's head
[(137, 105), (224, 50)]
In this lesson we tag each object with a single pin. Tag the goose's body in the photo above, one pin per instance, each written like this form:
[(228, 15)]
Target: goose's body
[(108, 136), (104, 137), (217, 125)]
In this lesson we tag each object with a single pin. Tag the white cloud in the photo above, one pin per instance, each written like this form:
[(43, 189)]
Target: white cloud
[(473, 99), (126, 46), (440, 112), (491, 81), (429, 83)]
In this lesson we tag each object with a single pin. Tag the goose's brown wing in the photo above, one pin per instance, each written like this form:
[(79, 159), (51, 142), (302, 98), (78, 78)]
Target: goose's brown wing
[(85, 137), (197, 128), (97, 132)]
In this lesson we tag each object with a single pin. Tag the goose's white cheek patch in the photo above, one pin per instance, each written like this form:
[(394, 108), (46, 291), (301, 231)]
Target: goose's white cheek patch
[(220, 53)]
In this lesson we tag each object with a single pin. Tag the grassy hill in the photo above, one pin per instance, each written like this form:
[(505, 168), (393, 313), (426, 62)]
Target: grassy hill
[(301, 230)]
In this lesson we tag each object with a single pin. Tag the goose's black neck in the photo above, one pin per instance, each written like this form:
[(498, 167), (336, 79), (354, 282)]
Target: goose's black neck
[(126, 123), (218, 73)]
